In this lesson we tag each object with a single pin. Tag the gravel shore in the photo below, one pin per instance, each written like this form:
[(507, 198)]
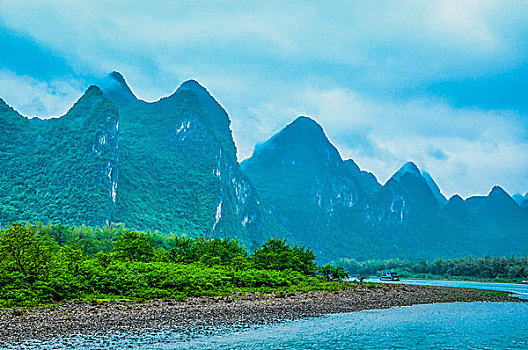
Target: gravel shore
[(238, 310)]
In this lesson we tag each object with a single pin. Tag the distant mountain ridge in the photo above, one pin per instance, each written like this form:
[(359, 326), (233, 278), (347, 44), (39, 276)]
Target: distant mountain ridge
[(171, 165), (408, 216)]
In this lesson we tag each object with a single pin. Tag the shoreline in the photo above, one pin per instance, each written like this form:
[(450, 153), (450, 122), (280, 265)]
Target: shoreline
[(462, 279), (238, 310), (375, 279)]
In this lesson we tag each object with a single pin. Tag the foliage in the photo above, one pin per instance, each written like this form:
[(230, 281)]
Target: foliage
[(276, 254), (134, 246), (177, 167), (24, 252), (177, 159), (113, 262), (59, 168), (332, 273), (188, 250), (334, 209), (507, 268)]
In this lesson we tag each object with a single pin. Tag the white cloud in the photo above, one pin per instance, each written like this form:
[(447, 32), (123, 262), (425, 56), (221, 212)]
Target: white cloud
[(480, 148), (343, 63), (32, 97), (409, 41)]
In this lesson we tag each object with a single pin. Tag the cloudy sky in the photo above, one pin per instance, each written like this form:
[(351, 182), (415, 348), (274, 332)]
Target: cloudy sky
[(441, 83)]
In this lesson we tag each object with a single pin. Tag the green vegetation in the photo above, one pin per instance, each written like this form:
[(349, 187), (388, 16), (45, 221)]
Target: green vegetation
[(169, 165), (178, 170), (333, 273), (52, 263), (59, 167), (339, 211), (485, 268)]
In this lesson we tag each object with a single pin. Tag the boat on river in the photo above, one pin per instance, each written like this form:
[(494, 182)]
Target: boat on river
[(389, 276)]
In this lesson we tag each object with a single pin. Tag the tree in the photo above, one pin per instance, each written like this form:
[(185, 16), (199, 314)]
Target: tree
[(333, 273), (188, 250), (182, 250), (72, 256), (134, 246), (24, 251), (276, 254), (225, 249)]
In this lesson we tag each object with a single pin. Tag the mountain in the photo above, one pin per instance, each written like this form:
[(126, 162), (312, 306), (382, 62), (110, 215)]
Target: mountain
[(519, 198), (341, 211), (456, 206), (498, 224), (368, 181), (405, 197), (442, 200), (406, 210), (61, 169), (171, 165), (309, 188), (178, 166), (496, 204)]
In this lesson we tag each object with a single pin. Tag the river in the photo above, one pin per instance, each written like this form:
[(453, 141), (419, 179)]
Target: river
[(519, 290), (430, 326), (474, 325)]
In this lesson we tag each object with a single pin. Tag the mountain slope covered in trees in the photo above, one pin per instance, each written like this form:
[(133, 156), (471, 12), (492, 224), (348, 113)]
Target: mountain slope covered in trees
[(340, 211), (178, 165), (61, 169), (171, 165)]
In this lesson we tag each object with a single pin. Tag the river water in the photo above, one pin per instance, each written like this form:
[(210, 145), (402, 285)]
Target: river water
[(519, 290), (433, 326)]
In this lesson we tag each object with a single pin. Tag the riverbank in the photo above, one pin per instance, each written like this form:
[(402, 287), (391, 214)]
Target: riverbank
[(74, 318)]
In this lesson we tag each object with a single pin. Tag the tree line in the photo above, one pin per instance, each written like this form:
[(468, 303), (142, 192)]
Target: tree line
[(50, 263), (487, 267)]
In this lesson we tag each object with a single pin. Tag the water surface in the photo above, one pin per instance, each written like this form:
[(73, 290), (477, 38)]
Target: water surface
[(433, 326), (474, 325), (518, 290)]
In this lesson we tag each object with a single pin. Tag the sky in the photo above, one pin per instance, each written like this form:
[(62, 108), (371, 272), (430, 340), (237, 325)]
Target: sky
[(440, 83)]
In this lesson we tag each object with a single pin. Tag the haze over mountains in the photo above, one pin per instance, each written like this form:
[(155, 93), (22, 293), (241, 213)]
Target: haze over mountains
[(171, 165)]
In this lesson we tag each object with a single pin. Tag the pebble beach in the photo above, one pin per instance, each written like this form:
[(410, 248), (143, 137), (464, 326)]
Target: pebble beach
[(207, 314)]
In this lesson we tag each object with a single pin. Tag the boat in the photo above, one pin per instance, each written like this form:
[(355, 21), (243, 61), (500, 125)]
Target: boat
[(389, 276)]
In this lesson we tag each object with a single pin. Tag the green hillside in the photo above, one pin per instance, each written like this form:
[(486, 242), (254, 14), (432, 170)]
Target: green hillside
[(342, 212), (171, 166), (62, 169)]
